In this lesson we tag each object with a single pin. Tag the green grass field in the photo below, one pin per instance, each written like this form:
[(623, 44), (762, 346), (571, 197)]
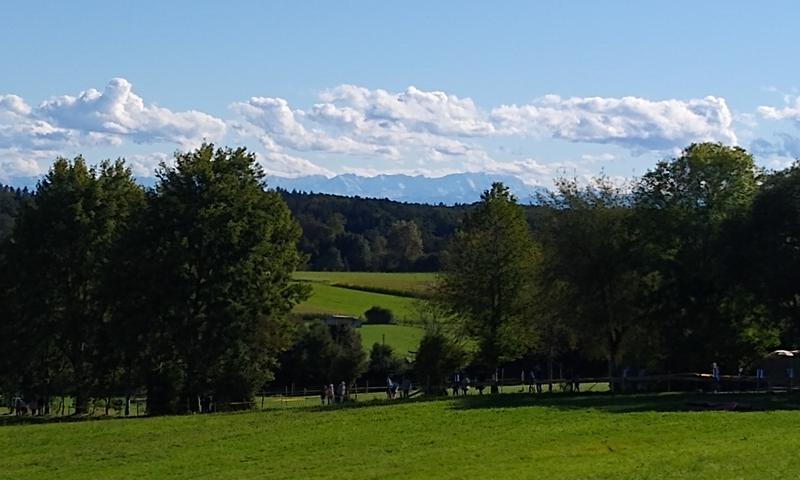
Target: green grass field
[(353, 293), (327, 299), (506, 436), (403, 283), (402, 338)]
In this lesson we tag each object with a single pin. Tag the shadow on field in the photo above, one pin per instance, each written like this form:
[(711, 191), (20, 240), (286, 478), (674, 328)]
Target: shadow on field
[(630, 403), (8, 419)]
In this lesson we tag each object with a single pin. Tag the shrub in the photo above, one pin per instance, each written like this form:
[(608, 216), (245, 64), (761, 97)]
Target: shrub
[(379, 316)]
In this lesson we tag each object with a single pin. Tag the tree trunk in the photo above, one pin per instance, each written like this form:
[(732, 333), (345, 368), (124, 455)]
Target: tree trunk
[(611, 368), (81, 405)]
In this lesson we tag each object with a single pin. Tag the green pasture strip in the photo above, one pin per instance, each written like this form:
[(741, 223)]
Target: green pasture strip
[(590, 436), (326, 299), (407, 284)]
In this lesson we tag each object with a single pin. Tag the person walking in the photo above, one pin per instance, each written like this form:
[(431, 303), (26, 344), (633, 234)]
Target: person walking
[(456, 383)]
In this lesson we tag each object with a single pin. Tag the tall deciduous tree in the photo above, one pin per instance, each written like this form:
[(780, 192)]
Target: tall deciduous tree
[(588, 277), (404, 244), (226, 251), (487, 276), (684, 209), (61, 249), (770, 254)]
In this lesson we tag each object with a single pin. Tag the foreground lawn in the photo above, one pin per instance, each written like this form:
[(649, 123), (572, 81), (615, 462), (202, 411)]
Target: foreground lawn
[(506, 436), (327, 299)]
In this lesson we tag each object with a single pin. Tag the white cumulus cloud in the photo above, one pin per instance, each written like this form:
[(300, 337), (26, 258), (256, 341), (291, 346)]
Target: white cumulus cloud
[(636, 123), (117, 111)]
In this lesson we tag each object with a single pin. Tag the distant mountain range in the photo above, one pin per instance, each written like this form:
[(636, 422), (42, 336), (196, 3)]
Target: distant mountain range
[(449, 189)]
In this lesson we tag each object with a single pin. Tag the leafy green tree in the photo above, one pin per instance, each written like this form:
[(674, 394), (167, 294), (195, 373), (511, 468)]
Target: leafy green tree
[(589, 278), (487, 276), (330, 260), (355, 251), (768, 251), (351, 360), (321, 355), (404, 245), (308, 362), (225, 250), (684, 207), (383, 363), (61, 250), (438, 356)]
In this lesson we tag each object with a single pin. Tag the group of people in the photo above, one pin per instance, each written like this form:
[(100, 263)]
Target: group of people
[(534, 380), (20, 406), (392, 388), (333, 394), (461, 384)]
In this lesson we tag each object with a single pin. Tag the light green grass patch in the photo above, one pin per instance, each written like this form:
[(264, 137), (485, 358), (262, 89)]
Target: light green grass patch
[(326, 299), (508, 436), (402, 338), (403, 283)]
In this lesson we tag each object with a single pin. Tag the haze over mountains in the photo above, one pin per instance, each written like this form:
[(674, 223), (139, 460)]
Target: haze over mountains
[(449, 189)]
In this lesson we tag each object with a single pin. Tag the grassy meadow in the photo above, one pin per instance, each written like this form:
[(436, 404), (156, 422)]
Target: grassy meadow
[(327, 299), (410, 284), (557, 436), (353, 293)]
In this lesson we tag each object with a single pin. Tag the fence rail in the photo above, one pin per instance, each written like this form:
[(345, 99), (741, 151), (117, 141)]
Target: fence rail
[(62, 405)]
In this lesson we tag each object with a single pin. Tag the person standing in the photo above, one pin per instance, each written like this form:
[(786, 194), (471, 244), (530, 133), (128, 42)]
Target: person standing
[(406, 387), (342, 392), (323, 394), (715, 377)]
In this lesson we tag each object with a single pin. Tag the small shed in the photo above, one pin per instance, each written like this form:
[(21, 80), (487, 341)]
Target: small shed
[(342, 321), (780, 367)]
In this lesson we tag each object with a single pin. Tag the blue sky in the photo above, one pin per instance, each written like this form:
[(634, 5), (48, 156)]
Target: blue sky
[(535, 89)]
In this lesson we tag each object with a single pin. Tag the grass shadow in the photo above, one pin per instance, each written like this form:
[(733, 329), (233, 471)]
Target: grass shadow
[(631, 403)]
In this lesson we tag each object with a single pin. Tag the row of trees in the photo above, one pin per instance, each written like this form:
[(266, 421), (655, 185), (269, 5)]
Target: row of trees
[(183, 290), (697, 261)]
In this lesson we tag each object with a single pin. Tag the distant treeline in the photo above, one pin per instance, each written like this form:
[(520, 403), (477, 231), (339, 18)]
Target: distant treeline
[(11, 200), (362, 234)]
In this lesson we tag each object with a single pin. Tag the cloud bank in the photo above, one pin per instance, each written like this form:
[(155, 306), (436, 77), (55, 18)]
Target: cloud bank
[(412, 130), (92, 118)]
